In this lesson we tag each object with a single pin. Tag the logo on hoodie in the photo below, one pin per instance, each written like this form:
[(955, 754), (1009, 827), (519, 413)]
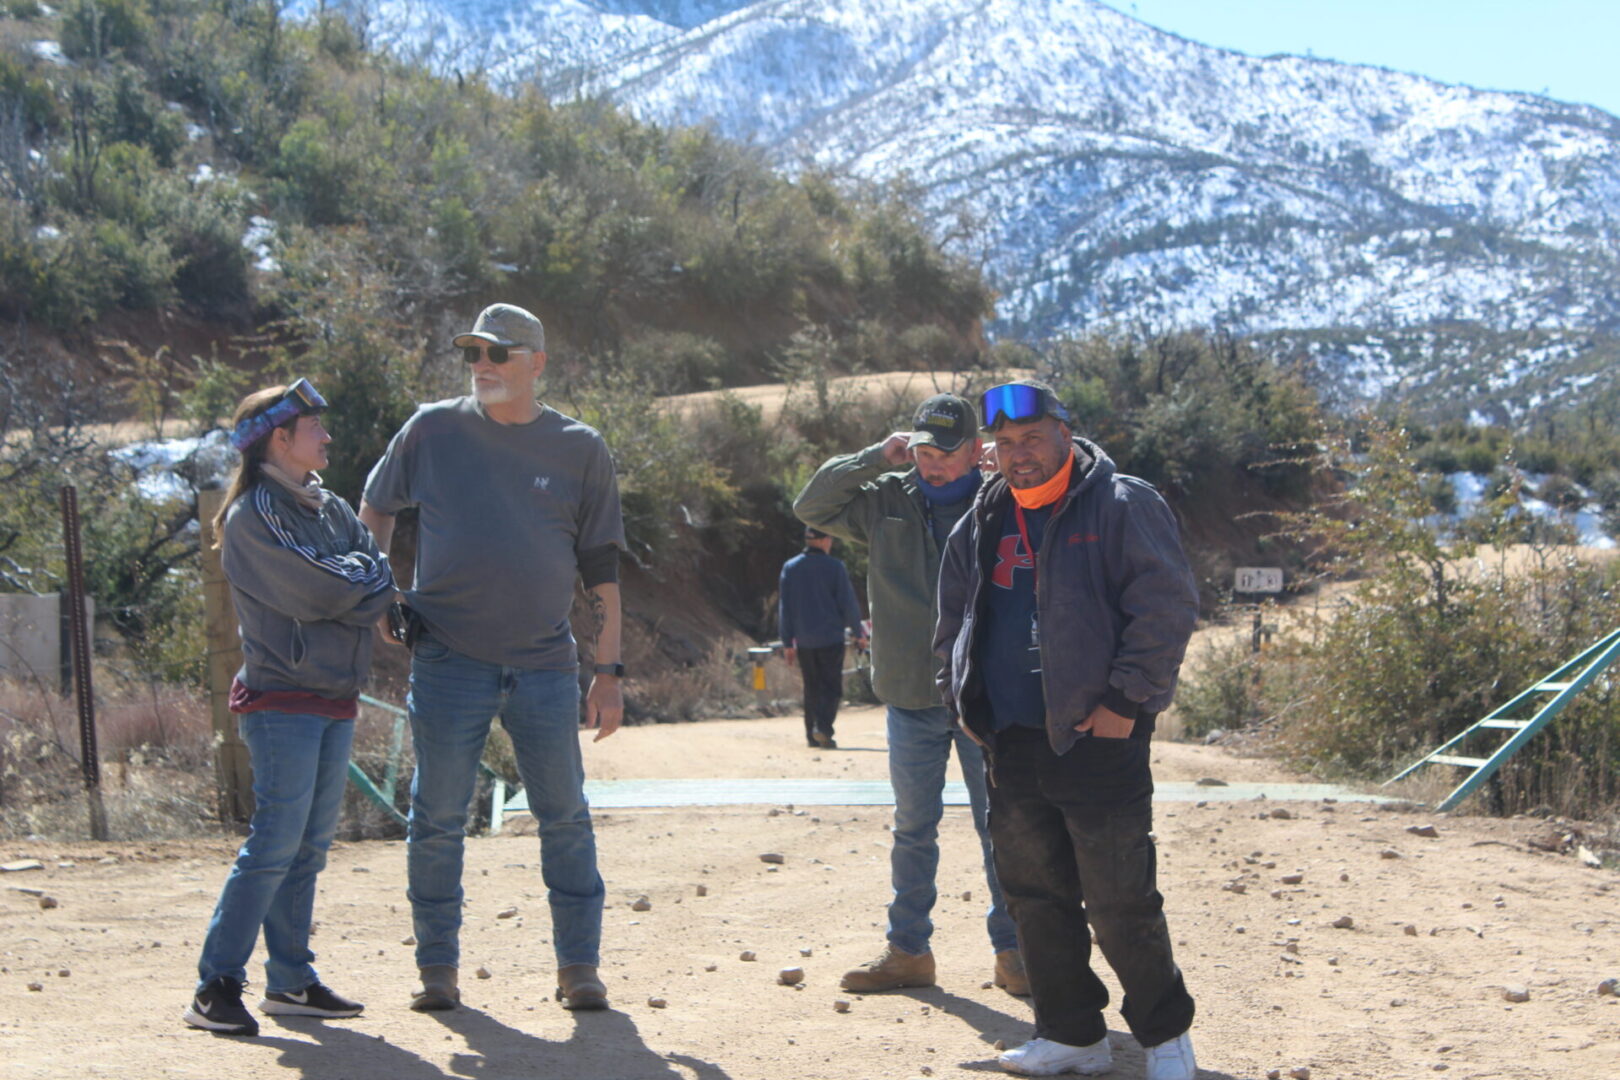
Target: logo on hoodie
[(1010, 556)]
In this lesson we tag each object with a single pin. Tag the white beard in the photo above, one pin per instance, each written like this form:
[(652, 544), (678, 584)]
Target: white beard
[(491, 393)]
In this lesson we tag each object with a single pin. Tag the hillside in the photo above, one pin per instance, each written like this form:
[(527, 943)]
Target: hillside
[(1453, 246)]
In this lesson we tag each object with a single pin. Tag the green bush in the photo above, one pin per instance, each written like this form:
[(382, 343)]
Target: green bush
[(96, 29)]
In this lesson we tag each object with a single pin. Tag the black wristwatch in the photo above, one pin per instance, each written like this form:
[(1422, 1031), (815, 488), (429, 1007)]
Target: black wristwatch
[(609, 669)]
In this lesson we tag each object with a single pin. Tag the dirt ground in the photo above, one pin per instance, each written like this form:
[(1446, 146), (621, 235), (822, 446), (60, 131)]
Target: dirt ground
[(1440, 929)]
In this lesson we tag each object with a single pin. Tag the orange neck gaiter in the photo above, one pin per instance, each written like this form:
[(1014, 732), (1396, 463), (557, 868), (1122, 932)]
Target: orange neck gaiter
[(1050, 492)]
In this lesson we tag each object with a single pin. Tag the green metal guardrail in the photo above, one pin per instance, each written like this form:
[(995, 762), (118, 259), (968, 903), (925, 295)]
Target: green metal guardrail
[(383, 795)]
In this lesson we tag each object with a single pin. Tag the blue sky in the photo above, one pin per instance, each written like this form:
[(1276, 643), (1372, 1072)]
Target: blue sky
[(1563, 48)]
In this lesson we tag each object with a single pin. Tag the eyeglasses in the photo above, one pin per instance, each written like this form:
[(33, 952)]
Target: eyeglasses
[(498, 354), (1019, 403), (301, 397)]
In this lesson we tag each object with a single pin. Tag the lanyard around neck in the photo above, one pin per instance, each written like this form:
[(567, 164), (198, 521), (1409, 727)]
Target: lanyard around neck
[(1034, 568)]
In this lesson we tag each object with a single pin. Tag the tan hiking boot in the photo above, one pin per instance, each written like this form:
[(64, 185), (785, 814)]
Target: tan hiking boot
[(578, 987), (891, 971), (439, 991), (1010, 974)]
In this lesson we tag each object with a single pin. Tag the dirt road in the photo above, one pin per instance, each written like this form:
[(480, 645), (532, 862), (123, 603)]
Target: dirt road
[(1415, 986)]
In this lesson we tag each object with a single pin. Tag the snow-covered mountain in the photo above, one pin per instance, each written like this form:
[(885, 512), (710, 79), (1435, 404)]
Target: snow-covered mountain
[(1459, 242)]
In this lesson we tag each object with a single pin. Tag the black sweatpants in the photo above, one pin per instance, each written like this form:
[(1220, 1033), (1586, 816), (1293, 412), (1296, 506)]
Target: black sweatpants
[(823, 670), (1074, 852)]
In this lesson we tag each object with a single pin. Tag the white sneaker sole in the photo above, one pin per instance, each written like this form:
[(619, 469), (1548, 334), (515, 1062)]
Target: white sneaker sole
[(289, 1008), (198, 1020)]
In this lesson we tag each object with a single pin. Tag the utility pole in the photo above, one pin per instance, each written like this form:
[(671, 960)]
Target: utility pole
[(232, 766)]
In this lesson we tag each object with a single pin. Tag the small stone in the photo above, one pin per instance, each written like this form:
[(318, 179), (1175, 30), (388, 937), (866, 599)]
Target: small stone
[(1333, 961), (1515, 993), (1343, 922), (1276, 894), (359, 869), (1273, 1074), (657, 1003), (841, 1006), (35, 988), (1300, 1072), (1389, 853), (64, 973), (1240, 929), (506, 913), (967, 897), (1210, 781), (711, 967), (1001, 1044), (804, 952), (1409, 930), (702, 890), (1282, 813), (1235, 887), (483, 972), (1344, 877), (410, 940), (772, 857), (1441, 1066), (926, 1070), (1292, 879), (1426, 831), (747, 956), (790, 976), (776, 811), (1292, 947), (21, 864), (1584, 853), (1609, 988), (641, 904), (48, 902)]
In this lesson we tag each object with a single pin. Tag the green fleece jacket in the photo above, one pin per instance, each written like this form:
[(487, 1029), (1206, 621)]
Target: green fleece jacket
[(856, 497)]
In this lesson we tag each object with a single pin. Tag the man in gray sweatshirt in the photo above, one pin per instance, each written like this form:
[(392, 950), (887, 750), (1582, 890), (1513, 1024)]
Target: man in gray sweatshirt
[(516, 500)]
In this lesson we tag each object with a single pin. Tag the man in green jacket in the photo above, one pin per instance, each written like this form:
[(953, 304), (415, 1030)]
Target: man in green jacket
[(901, 497)]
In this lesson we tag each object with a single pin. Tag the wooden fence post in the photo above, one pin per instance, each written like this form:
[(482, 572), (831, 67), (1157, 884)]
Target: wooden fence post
[(232, 766)]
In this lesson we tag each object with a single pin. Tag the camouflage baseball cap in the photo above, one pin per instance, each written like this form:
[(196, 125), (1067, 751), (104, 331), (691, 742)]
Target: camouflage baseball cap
[(505, 324), (944, 421)]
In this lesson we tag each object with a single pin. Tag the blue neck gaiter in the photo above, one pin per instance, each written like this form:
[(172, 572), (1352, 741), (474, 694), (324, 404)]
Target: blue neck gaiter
[(961, 488)]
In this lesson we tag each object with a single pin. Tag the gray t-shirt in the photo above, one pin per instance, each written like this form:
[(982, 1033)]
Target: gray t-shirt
[(505, 509)]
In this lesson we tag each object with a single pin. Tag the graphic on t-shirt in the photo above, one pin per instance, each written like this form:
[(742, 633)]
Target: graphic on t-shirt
[(1010, 556)]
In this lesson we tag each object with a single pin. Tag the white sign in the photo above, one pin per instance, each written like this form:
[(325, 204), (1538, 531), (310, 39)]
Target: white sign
[(1258, 579)]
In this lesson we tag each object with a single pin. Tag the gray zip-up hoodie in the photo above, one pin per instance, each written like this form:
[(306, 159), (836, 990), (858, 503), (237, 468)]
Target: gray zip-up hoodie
[(1116, 598), (308, 588)]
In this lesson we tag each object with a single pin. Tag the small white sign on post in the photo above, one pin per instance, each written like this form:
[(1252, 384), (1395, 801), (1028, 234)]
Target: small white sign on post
[(1258, 579)]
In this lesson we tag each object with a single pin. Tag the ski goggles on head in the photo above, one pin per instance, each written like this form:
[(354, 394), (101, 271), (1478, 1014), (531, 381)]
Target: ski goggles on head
[(498, 354), (301, 397), (1019, 403)]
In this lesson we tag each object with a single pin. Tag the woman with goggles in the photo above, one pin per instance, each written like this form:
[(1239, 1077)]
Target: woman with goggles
[(308, 583)]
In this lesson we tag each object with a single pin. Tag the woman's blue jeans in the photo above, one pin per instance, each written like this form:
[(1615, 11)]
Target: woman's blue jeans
[(453, 700), (920, 742), (300, 765)]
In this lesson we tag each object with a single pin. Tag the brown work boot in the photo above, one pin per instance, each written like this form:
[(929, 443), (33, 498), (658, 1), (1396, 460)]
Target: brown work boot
[(891, 971), (439, 991), (578, 987), (1010, 974)]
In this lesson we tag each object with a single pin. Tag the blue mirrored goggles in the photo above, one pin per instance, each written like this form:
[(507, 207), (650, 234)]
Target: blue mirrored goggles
[(1019, 403), (301, 397)]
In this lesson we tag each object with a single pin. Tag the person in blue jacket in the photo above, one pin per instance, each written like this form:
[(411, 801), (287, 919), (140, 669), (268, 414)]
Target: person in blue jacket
[(308, 583), (817, 604)]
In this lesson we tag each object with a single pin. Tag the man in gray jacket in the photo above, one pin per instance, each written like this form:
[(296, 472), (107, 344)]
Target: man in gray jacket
[(901, 497), (1065, 605)]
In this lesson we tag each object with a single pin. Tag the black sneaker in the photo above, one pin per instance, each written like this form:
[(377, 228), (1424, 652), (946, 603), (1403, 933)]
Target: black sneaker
[(218, 1007), (312, 1000)]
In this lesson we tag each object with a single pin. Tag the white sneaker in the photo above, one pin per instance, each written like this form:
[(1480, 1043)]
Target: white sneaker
[(1043, 1057), (1172, 1060)]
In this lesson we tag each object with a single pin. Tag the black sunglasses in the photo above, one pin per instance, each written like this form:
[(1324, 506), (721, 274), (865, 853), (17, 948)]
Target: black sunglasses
[(498, 354)]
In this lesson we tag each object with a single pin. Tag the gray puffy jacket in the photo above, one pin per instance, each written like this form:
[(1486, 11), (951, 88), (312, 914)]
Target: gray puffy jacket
[(308, 589), (1116, 598)]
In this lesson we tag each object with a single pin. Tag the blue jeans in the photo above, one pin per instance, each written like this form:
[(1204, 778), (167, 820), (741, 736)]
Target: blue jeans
[(920, 742), (300, 764), (452, 701)]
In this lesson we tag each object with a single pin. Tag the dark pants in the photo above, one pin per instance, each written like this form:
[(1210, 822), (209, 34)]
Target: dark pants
[(1074, 853), (823, 669)]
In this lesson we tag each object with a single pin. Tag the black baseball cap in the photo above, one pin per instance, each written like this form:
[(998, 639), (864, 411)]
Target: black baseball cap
[(944, 421)]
